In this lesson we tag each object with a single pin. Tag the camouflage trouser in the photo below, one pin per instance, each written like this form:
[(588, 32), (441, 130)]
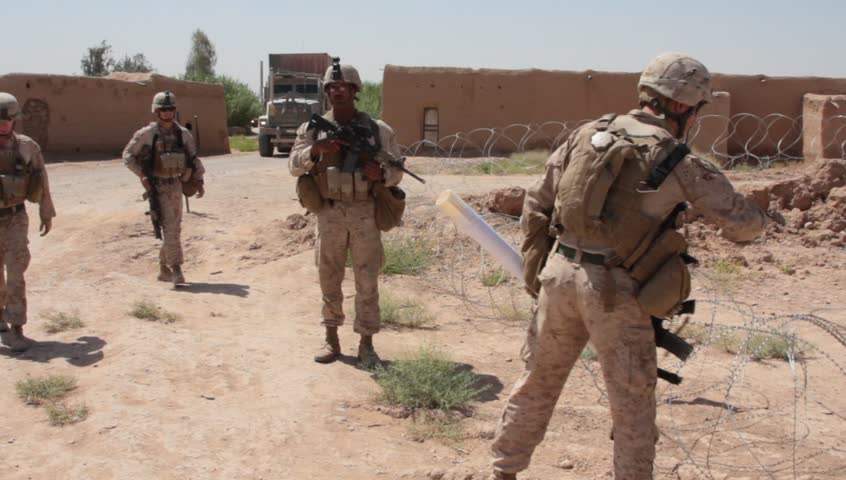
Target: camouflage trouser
[(14, 254), (170, 199), (570, 311), (350, 226)]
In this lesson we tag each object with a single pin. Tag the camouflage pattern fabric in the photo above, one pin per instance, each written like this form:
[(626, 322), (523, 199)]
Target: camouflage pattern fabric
[(570, 311), (348, 226), (14, 241), (342, 227)]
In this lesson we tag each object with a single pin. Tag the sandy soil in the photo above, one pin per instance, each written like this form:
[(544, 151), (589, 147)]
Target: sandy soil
[(230, 390)]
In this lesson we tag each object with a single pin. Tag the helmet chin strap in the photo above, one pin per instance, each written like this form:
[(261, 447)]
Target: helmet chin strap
[(681, 119)]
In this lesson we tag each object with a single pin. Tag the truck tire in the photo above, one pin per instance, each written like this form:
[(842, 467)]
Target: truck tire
[(265, 147)]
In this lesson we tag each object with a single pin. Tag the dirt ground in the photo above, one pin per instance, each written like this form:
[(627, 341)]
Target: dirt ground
[(230, 390)]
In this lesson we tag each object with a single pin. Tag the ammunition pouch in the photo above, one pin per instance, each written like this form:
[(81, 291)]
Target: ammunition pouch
[(191, 187), (308, 193), (389, 205), (169, 164), (664, 293), (14, 189), (335, 184)]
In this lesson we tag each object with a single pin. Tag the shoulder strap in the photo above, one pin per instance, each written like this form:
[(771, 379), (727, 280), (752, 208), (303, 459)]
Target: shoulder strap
[(152, 158), (604, 121), (374, 128), (179, 143), (664, 168)]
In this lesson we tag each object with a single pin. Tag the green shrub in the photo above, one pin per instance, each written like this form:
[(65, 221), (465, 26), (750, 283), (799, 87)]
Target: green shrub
[(493, 278), (61, 321), (427, 381), (397, 313), (759, 346), (407, 256), (37, 391), (62, 414), (147, 310)]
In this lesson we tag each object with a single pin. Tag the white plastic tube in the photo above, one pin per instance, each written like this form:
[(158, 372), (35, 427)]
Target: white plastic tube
[(471, 224)]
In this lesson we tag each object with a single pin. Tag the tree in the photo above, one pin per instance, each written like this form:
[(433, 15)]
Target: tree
[(135, 63), (98, 61), (201, 59), (242, 104)]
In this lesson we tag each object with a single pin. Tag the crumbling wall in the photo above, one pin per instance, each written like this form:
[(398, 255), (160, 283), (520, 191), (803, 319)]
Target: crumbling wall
[(824, 128), (83, 115)]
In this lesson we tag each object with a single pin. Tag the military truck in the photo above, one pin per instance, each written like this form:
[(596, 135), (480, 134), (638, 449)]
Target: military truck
[(294, 91)]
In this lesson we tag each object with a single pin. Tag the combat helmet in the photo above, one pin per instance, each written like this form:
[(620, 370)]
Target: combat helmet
[(164, 99), (10, 109), (678, 77), (341, 73)]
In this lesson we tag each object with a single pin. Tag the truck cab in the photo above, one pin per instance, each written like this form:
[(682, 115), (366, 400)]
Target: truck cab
[(292, 98)]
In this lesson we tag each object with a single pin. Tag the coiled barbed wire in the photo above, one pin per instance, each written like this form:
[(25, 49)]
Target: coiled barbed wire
[(740, 139)]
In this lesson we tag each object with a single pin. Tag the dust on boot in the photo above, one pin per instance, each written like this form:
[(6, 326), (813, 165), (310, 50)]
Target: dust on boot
[(331, 348)]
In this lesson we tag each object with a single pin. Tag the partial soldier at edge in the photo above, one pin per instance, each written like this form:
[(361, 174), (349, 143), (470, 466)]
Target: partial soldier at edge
[(603, 255), (163, 155), (345, 211), (23, 177)]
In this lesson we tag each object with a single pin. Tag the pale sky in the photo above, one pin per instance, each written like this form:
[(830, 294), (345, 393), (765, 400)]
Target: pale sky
[(774, 37)]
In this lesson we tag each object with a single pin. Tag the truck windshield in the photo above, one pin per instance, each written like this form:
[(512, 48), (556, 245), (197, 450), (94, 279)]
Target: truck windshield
[(301, 88)]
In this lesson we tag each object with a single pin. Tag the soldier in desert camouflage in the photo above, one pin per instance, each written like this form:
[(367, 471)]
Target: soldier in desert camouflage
[(603, 256), (346, 220), (23, 177), (163, 155)]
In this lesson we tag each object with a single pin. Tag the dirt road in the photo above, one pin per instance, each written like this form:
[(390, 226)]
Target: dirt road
[(230, 390)]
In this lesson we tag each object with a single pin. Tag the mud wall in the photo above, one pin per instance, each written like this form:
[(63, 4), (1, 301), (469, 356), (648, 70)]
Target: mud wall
[(824, 129), (85, 115), (468, 99)]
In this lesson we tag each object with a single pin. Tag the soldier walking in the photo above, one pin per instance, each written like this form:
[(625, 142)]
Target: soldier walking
[(22, 177), (164, 157)]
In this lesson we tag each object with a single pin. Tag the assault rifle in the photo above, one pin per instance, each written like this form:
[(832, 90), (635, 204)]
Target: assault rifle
[(672, 343), (354, 139), (152, 196)]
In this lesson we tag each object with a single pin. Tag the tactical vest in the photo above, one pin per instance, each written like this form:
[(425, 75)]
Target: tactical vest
[(169, 156), (334, 182), (14, 178), (612, 165)]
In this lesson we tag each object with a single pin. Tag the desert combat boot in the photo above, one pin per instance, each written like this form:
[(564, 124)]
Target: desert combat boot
[(178, 277), (331, 348), (14, 339), (503, 476), (165, 275), (367, 357)]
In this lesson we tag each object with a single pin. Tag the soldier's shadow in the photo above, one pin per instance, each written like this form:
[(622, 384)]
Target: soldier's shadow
[(84, 352), (233, 289), (489, 385)]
